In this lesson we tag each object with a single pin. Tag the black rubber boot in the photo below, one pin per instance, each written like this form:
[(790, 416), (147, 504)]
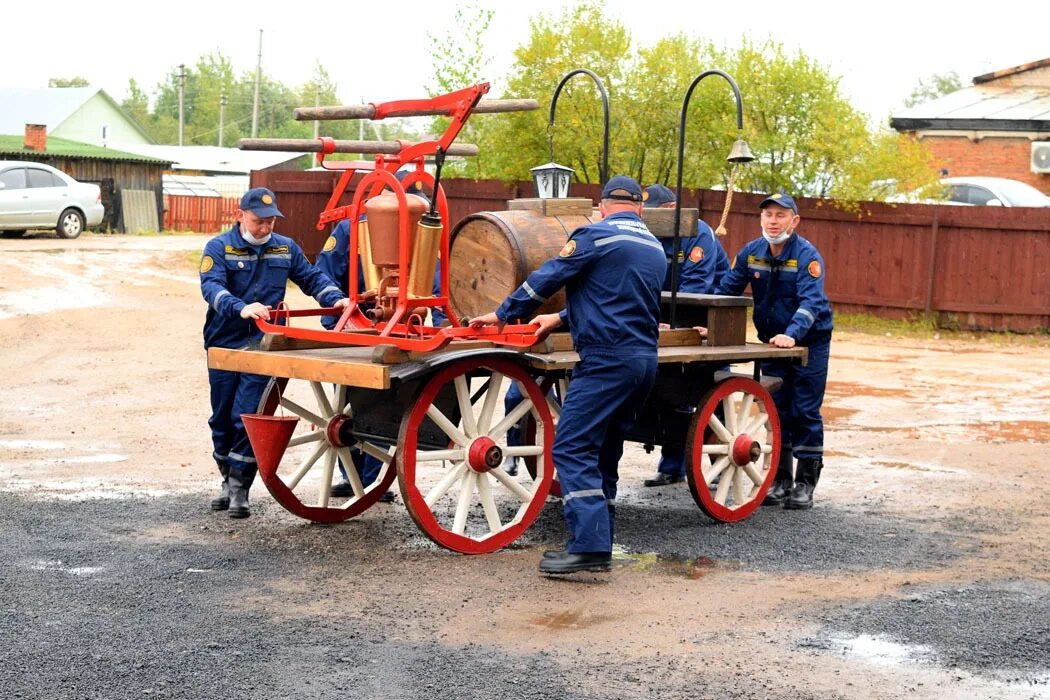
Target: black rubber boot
[(801, 497), (510, 465), (222, 501), (240, 482), (782, 482)]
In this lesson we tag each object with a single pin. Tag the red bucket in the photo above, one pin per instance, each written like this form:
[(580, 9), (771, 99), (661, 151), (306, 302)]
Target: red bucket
[(269, 436)]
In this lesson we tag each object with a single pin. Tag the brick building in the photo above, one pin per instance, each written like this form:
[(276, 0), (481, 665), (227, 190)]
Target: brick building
[(999, 126)]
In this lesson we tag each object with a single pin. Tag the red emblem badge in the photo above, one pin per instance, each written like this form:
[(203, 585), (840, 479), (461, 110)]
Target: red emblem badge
[(814, 269), (696, 254)]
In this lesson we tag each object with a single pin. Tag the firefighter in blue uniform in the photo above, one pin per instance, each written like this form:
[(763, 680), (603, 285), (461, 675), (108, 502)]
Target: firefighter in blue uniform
[(702, 262), (612, 272), (244, 271), (786, 274), (334, 261)]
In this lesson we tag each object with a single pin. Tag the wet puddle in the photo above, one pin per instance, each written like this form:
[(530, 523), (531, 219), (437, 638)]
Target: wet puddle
[(679, 567), (569, 619), (875, 649)]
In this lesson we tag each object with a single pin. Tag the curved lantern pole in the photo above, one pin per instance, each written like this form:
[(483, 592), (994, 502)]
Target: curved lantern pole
[(604, 173), (740, 153)]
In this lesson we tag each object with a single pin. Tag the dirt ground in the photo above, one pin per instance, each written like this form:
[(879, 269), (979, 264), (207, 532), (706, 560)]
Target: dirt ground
[(922, 571)]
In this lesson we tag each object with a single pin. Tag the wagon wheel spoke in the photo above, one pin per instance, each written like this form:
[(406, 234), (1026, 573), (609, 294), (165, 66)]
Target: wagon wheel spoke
[(312, 436), (722, 492), (442, 487), (720, 430), (466, 409), (524, 451), (322, 399), (351, 473), (717, 467), (325, 487), (729, 411), (302, 412), (488, 503), (466, 493), (435, 414), (489, 404), (716, 449), (738, 486), (755, 477), (511, 419), (441, 455), (756, 423), (307, 464), (512, 484)]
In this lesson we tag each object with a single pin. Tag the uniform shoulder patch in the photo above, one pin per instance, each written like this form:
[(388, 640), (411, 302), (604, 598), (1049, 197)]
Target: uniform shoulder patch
[(814, 269), (207, 264), (696, 254), (568, 249), (329, 245)]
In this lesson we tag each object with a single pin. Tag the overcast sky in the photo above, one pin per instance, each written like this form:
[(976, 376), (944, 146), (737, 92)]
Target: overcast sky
[(880, 50)]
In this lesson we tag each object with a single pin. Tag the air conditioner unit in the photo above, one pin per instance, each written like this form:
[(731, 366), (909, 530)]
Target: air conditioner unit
[(1041, 156)]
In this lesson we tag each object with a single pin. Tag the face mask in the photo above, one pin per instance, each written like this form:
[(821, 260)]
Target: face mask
[(252, 240), (776, 240)]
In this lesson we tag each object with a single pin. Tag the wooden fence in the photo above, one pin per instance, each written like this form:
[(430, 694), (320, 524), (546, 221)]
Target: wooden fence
[(200, 214), (971, 267)]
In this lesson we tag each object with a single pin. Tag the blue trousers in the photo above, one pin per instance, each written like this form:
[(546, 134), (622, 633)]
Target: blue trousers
[(233, 393), (799, 400), (603, 402)]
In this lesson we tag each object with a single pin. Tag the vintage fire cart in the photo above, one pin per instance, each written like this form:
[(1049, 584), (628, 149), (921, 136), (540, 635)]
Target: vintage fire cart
[(428, 403)]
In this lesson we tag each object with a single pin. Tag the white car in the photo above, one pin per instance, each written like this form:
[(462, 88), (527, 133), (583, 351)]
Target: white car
[(993, 191), (37, 196)]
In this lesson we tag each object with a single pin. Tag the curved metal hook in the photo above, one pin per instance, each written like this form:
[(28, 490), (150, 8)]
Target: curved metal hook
[(681, 161), (604, 174)]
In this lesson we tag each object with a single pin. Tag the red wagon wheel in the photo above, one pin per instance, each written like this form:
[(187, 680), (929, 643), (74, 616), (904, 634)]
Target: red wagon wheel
[(554, 402), (736, 454), (302, 480), (460, 496)]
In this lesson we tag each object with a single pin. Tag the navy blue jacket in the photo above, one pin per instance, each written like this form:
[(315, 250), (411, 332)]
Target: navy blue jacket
[(702, 262), (612, 271), (796, 305), (334, 261), (235, 273)]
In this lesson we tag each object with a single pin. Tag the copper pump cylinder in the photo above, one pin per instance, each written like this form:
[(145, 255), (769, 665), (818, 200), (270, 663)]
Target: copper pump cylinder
[(382, 212)]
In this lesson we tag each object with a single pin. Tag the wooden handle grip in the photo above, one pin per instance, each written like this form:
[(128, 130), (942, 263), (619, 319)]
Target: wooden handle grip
[(369, 111), (314, 146)]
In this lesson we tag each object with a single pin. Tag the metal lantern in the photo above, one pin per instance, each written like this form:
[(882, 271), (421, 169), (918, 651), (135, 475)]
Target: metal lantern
[(552, 180)]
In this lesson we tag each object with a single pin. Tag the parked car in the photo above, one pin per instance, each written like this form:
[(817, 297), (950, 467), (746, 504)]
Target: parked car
[(993, 191), (36, 196)]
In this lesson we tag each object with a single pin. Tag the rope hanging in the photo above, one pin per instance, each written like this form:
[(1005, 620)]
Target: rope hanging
[(721, 230)]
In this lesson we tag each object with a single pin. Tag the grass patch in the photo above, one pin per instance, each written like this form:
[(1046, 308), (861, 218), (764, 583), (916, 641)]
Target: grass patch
[(926, 328)]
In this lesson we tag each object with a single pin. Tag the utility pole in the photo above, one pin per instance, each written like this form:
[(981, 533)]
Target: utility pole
[(182, 92), (222, 115), (255, 102)]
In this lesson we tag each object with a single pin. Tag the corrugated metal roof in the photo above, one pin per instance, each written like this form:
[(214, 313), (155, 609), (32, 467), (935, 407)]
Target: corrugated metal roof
[(212, 159), (64, 148), (984, 102)]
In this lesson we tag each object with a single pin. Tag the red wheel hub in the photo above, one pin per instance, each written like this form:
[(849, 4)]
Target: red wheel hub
[(484, 455), (332, 432), (745, 450)]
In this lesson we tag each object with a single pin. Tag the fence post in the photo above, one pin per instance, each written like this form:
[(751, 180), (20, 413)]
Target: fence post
[(931, 268)]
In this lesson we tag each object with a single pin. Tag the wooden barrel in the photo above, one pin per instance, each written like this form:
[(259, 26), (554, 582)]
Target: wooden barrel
[(492, 252)]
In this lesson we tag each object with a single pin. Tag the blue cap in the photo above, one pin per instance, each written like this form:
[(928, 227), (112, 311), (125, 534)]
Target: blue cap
[(657, 196), (261, 202), (622, 187), (781, 200), (415, 188)]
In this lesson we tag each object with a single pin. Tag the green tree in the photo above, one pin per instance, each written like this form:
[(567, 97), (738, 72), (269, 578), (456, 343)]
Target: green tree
[(933, 87), (582, 37), (77, 81), (459, 62)]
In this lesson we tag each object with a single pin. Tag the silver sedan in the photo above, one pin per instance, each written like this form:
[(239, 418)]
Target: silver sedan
[(37, 196)]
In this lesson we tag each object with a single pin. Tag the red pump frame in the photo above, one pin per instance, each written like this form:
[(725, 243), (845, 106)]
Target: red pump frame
[(403, 330)]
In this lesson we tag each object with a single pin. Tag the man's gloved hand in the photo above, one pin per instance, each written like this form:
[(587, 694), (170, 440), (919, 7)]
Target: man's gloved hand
[(255, 310)]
